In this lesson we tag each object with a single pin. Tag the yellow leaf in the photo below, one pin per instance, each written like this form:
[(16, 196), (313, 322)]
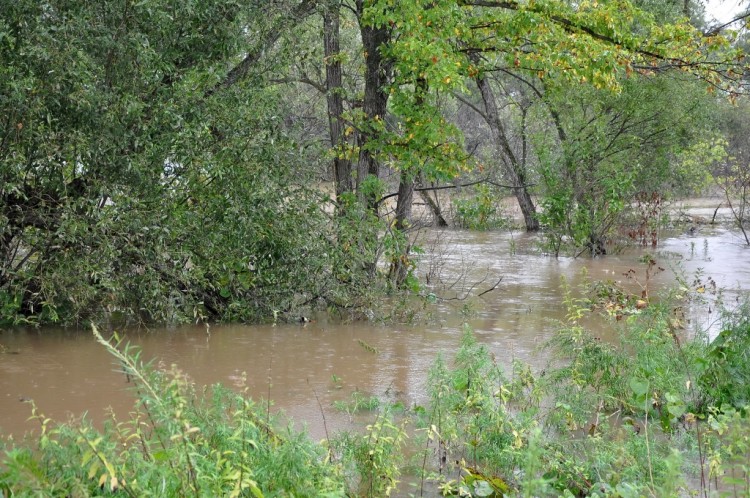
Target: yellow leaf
[(94, 468)]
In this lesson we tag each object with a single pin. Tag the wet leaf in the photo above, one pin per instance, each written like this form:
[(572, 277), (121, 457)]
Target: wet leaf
[(483, 488)]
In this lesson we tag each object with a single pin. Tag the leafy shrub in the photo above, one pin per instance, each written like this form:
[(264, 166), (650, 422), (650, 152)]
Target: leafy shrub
[(373, 460), (726, 378), (133, 187), (479, 212)]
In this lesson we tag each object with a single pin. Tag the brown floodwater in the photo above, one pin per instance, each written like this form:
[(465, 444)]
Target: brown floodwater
[(305, 369)]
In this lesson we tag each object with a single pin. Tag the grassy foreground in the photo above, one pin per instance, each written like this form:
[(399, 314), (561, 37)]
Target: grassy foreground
[(653, 414)]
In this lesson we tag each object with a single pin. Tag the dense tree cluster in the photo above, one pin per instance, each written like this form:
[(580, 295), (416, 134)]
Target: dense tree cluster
[(170, 161)]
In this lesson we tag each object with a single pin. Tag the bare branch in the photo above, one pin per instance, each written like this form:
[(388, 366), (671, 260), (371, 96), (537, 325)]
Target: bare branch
[(715, 31), (444, 187), (491, 288)]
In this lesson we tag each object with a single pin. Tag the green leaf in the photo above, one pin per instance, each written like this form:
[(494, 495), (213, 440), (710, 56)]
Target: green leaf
[(483, 488), (639, 386)]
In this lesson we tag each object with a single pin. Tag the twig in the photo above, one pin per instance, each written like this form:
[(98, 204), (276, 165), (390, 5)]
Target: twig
[(268, 398), (713, 218), (323, 416), (491, 288)]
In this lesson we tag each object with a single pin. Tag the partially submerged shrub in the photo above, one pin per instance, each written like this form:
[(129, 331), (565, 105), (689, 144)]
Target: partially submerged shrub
[(373, 460)]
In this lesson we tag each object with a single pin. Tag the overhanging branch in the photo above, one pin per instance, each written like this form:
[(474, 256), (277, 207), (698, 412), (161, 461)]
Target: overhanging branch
[(444, 187)]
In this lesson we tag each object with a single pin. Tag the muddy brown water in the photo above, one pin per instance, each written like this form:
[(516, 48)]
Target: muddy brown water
[(305, 369)]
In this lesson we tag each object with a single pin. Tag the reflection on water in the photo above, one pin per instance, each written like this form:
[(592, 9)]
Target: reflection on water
[(66, 373)]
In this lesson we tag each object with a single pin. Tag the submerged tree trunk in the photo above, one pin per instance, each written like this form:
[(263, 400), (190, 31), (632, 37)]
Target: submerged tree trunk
[(514, 170), (342, 167), (437, 212), (400, 264)]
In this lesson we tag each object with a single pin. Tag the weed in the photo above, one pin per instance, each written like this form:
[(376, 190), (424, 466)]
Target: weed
[(374, 459), (358, 402)]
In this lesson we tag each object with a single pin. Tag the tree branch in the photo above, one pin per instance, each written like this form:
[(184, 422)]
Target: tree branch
[(444, 187), (270, 37), (573, 27), (470, 104), (301, 79), (715, 31)]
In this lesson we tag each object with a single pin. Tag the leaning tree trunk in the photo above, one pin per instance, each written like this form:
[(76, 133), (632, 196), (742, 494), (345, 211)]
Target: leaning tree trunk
[(342, 167), (514, 170), (437, 212)]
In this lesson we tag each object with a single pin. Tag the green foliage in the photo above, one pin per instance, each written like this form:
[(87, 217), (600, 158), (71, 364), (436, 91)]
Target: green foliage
[(471, 419), (480, 211), (136, 183), (695, 164), (374, 459), (611, 151), (613, 419), (178, 441), (728, 446), (358, 402), (725, 380)]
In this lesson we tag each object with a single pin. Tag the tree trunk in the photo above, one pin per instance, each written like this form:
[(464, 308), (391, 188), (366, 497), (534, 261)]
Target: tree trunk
[(514, 170), (377, 73), (434, 206), (342, 167), (400, 264)]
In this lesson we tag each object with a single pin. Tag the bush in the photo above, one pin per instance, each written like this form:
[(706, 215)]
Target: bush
[(726, 378), (479, 212)]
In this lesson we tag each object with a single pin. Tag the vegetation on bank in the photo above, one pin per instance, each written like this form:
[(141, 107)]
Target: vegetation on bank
[(654, 413), (171, 162), (166, 161)]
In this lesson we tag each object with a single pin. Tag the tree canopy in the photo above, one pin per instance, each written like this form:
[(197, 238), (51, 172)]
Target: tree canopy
[(168, 160)]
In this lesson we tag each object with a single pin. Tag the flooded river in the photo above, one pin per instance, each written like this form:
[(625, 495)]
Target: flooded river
[(67, 373)]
